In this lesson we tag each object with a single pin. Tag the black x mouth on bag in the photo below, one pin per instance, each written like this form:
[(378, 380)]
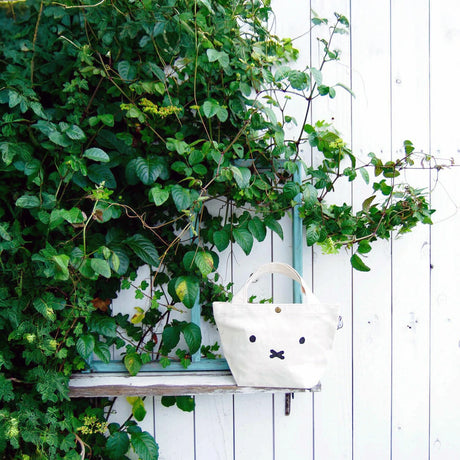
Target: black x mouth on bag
[(277, 354)]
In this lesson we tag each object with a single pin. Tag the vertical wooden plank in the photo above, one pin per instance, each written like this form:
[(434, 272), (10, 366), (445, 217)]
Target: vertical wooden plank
[(174, 432), (445, 357), (253, 414), (411, 273), (411, 345), (214, 427), (332, 274), (293, 434), (445, 348), (253, 426), (371, 116)]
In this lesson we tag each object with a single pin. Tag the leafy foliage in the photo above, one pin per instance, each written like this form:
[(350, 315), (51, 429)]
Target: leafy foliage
[(122, 123)]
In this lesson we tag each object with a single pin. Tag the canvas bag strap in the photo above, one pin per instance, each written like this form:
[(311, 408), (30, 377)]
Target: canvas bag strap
[(241, 296)]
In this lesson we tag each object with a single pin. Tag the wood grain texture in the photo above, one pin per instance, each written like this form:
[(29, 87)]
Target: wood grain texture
[(371, 132), (445, 260), (164, 384)]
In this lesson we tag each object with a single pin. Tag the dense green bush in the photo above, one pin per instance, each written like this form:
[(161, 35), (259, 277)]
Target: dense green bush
[(120, 121)]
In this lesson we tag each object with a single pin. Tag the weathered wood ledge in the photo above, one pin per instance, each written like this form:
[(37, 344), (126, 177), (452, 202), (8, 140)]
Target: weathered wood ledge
[(163, 384)]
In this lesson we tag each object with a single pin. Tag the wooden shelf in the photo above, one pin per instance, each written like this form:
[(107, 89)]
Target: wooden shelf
[(163, 384)]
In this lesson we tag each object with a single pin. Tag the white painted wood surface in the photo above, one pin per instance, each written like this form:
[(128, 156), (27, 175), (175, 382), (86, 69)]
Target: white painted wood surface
[(392, 388)]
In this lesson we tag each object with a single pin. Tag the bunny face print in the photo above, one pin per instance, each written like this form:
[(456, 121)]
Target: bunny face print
[(275, 346)]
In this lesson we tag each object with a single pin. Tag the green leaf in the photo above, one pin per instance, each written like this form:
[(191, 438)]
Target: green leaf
[(183, 198), (139, 411), (367, 203), (187, 289), (220, 56), (145, 445), (205, 262), (47, 304), (291, 190), (73, 216), (28, 202), (313, 234), (274, 225), (195, 157), (85, 269), (185, 403), (96, 154), (59, 139), (310, 196), (200, 169), (6, 389), (364, 175), (101, 174), (168, 401), (126, 71), (149, 169), (346, 88), (222, 114), (143, 249), (257, 228), (123, 261), (210, 107), (244, 239), (102, 351), (4, 232), (107, 119), (298, 80), (170, 337), (364, 247), (192, 336), (9, 152), (73, 454), (358, 264), (189, 260), (85, 346), (117, 445), (213, 55), (408, 147), (221, 239), (207, 4), (42, 306), (132, 362), (282, 72), (317, 75), (75, 133), (241, 175), (103, 325), (61, 262), (158, 195), (101, 267)]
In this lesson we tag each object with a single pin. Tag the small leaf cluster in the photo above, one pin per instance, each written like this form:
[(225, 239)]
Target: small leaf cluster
[(154, 133)]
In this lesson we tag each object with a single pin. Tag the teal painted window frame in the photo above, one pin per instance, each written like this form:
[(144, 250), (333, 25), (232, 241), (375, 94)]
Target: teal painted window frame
[(198, 363)]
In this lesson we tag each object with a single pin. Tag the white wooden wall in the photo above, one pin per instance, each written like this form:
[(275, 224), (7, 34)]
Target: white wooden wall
[(392, 390)]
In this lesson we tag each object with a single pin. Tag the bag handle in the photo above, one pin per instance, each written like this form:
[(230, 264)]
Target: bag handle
[(274, 267)]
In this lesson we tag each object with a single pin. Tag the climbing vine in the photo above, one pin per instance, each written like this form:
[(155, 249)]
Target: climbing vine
[(129, 131)]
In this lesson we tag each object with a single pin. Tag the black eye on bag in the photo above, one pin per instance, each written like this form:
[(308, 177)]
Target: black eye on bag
[(252, 338), (302, 340)]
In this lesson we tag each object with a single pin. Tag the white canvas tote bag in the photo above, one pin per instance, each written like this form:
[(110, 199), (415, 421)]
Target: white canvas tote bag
[(276, 345)]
